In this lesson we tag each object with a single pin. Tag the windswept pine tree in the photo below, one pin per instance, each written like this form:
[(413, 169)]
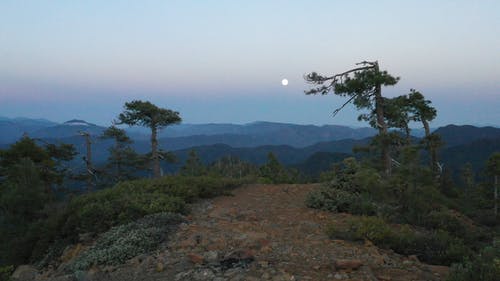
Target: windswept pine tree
[(144, 113), (363, 87)]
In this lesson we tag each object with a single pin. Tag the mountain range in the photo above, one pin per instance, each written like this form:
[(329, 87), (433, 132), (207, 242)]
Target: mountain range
[(307, 147), (187, 135)]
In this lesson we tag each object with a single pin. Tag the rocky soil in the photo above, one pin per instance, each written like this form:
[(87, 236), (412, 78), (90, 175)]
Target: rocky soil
[(263, 232)]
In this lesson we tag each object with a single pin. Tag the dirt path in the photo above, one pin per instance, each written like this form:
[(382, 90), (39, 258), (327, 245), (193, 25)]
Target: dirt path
[(265, 232)]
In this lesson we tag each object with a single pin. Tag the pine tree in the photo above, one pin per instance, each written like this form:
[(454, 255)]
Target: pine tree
[(493, 169), (363, 86), (274, 171), (193, 165), (123, 161), (146, 114)]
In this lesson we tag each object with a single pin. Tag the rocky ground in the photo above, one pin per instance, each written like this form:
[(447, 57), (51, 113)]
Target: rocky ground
[(263, 232)]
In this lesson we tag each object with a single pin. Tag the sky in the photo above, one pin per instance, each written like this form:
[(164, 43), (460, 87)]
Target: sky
[(223, 61)]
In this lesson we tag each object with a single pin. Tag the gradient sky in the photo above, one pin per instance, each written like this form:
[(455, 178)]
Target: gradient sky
[(222, 61)]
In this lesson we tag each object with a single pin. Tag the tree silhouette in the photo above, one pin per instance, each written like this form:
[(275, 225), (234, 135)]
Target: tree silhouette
[(123, 160), (493, 169), (363, 87), (146, 114), (423, 112), (193, 165)]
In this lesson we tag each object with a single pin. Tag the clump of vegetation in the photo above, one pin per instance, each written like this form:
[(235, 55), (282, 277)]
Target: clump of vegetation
[(127, 201), (274, 172), (435, 247), (51, 229), (123, 242), (406, 192), (29, 176), (6, 272), (408, 197), (338, 200), (485, 266), (346, 191)]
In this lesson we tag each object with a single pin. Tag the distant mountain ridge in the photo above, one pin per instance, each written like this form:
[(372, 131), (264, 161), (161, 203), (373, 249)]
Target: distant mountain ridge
[(185, 135), (11, 129), (453, 135), (301, 146)]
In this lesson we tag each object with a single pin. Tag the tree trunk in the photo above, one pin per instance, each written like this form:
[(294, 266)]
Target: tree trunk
[(382, 126), (154, 152), (496, 196), (89, 162), (408, 135), (432, 147), (118, 162), (426, 127)]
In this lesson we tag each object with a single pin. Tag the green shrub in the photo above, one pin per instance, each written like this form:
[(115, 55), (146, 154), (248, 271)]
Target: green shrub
[(359, 228), (330, 199), (445, 220), (363, 205), (485, 266), (127, 241), (437, 247), (338, 200), (98, 211), (371, 228), (5, 272), (486, 218)]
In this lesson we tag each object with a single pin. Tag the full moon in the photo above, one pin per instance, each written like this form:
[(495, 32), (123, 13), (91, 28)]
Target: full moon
[(284, 82)]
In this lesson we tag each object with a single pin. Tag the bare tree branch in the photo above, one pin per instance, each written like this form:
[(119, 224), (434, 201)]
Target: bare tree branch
[(372, 63), (315, 78), (348, 101), (344, 105)]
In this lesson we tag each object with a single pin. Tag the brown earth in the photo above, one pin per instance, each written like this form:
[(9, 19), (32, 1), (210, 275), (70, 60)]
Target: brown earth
[(272, 223)]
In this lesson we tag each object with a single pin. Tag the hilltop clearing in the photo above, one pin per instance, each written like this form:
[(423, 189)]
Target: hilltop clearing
[(262, 232)]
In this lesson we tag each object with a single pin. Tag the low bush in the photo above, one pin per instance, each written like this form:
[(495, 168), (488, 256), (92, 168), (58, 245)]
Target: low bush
[(123, 242), (96, 212), (338, 200), (5, 272), (445, 220), (485, 266), (330, 199), (436, 247)]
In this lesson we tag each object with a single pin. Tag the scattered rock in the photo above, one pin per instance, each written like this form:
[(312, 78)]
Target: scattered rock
[(204, 274), (211, 256), (413, 258), (263, 264), (347, 264), (238, 258), (159, 267), (85, 238), (195, 258), (439, 270), (68, 277), (24, 273)]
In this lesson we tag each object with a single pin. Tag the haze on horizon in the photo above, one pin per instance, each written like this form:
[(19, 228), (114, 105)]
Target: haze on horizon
[(223, 61)]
